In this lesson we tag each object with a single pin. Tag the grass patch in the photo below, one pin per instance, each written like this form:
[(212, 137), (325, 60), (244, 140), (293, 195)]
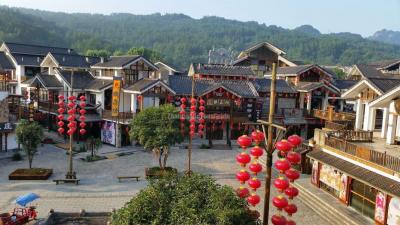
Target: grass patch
[(94, 158)]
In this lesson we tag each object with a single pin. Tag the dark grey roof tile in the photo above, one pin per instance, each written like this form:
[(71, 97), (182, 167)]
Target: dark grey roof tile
[(225, 70)]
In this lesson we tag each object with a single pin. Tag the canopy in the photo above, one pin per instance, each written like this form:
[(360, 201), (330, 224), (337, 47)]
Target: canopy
[(27, 198)]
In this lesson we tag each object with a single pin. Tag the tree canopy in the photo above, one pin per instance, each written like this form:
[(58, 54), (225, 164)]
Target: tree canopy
[(29, 135), (184, 200)]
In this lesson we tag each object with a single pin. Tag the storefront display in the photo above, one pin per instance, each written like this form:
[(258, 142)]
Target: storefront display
[(108, 133), (334, 181)]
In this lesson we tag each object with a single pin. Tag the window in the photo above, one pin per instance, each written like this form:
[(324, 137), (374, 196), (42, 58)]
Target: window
[(131, 76), (92, 99), (363, 198)]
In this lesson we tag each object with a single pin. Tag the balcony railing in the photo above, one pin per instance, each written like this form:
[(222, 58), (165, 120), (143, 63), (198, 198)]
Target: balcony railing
[(123, 117), (339, 125), (333, 116), (362, 152), (353, 135)]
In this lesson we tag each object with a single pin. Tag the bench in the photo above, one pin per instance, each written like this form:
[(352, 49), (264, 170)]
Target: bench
[(128, 177), (76, 181)]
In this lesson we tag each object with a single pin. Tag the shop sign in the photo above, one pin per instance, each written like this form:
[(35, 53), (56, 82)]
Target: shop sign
[(108, 133), (6, 126), (115, 96), (394, 212), (218, 102), (314, 173), (380, 205)]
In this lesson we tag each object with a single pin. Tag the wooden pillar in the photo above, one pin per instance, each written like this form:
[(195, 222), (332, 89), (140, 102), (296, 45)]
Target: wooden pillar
[(1, 142)]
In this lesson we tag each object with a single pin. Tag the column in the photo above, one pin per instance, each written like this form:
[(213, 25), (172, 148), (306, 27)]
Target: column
[(371, 119), (309, 102), (366, 117), (301, 100), (134, 103), (118, 135), (325, 101), (5, 140), (392, 125), (341, 102), (359, 115), (384, 122)]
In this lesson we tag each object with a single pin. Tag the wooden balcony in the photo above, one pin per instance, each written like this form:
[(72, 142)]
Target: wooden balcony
[(364, 153), (339, 125), (353, 135), (331, 115), (123, 117)]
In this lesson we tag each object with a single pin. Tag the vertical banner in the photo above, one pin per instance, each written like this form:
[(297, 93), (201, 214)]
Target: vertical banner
[(108, 133), (380, 206), (315, 173), (115, 96), (394, 212)]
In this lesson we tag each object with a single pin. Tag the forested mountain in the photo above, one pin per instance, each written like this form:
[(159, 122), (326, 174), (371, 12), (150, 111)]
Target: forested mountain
[(387, 36), (181, 39)]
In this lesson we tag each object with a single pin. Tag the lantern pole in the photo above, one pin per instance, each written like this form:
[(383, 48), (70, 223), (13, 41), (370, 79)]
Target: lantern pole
[(70, 174), (268, 163), (189, 172)]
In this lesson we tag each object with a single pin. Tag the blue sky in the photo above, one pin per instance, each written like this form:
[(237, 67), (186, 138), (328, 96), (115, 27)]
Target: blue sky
[(356, 16)]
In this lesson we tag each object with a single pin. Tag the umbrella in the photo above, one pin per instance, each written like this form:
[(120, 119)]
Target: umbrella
[(27, 198)]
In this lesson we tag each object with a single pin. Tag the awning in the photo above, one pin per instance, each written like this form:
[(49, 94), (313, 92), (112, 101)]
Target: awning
[(373, 179)]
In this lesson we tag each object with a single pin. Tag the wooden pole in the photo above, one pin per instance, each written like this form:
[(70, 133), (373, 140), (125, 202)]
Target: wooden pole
[(190, 136), (71, 174), (269, 146)]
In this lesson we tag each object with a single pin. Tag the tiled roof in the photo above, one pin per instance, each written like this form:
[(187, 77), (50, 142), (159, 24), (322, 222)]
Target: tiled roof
[(117, 61), (373, 179), (36, 49), (28, 60), (296, 70), (182, 85), (48, 81), (345, 84), (67, 60), (5, 63), (264, 85), (226, 70), (81, 78), (98, 84), (308, 86), (142, 84), (384, 63), (369, 71), (385, 84)]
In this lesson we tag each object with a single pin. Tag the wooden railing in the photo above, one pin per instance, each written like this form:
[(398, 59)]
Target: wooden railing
[(122, 116), (47, 106), (379, 158), (354, 135), (339, 125), (334, 116)]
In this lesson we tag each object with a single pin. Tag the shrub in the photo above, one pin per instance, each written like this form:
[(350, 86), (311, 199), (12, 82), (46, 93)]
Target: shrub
[(197, 199), (204, 146), (16, 156)]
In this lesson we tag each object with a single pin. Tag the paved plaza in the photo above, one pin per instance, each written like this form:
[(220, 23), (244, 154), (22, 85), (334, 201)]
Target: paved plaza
[(100, 191)]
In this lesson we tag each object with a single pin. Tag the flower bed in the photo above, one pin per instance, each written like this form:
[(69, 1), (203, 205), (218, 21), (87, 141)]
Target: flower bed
[(30, 174), (157, 172)]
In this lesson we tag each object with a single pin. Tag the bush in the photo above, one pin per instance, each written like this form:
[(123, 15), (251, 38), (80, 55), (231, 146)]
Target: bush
[(185, 200), (90, 158), (204, 146), (16, 156)]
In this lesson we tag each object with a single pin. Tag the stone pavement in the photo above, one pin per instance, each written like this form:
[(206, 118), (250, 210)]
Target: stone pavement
[(99, 189)]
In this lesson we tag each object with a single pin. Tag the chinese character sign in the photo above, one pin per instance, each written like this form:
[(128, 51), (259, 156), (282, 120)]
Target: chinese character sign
[(115, 96)]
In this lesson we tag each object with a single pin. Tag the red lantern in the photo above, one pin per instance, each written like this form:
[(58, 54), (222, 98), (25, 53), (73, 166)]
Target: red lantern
[(202, 114), (200, 133), (60, 130), (295, 140), (82, 124), (256, 151), (183, 100), (60, 104), (257, 136), (201, 120), (254, 183), (280, 202), (282, 165), (253, 199), (182, 112), (291, 209), (82, 104), (60, 123), (193, 108), (71, 98), (201, 126), (243, 192), (70, 105), (278, 220), (60, 97), (244, 141), (82, 111), (71, 111), (61, 110), (192, 133), (291, 192), (82, 118), (290, 222), (193, 101), (243, 158), (82, 98), (242, 176), (82, 131), (71, 118), (202, 102), (70, 132), (281, 184), (293, 157), (60, 117), (201, 108), (192, 120), (292, 174), (255, 167), (283, 145)]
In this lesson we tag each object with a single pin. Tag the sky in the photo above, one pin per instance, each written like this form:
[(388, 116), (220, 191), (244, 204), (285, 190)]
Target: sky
[(329, 16)]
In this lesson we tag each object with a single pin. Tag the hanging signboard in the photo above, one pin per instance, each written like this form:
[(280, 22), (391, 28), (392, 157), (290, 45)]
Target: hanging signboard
[(380, 205), (394, 212), (115, 96), (314, 173)]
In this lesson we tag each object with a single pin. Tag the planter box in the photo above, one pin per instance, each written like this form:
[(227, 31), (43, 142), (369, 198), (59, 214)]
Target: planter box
[(156, 172), (30, 174)]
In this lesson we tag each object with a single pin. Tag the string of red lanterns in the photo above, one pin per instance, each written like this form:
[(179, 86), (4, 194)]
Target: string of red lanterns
[(60, 117), (182, 114), (202, 115), (71, 115), (192, 119), (255, 167), (82, 118), (285, 180)]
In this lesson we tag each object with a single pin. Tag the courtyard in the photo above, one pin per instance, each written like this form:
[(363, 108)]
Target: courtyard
[(99, 189)]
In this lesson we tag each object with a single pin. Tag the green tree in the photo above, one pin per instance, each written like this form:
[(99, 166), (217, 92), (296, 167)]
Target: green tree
[(339, 73), (29, 135), (118, 53), (93, 144), (145, 52), (157, 128), (184, 200), (98, 53)]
